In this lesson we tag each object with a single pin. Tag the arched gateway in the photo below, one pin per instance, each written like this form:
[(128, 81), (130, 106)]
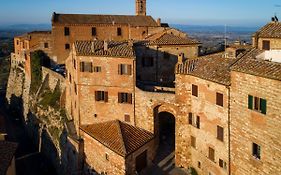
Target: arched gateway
[(165, 129)]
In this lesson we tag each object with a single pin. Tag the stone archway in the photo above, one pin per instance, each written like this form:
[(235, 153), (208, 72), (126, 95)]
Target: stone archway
[(164, 130)]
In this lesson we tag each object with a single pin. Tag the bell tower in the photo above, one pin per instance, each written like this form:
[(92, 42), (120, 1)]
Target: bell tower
[(141, 7)]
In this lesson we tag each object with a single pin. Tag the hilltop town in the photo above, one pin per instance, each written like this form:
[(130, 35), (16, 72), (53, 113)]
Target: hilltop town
[(128, 95)]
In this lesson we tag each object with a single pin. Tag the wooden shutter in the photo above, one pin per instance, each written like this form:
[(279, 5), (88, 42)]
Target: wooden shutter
[(129, 98), (96, 95), (190, 118), (119, 69), (219, 99), (106, 96), (195, 90), (119, 97), (198, 122), (81, 66), (263, 106), (211, 154), (220, 133), (250, 102), (129, 69), (193, 142)]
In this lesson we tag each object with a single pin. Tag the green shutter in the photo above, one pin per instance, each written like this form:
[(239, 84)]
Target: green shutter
[(263, 106), (250, 102)]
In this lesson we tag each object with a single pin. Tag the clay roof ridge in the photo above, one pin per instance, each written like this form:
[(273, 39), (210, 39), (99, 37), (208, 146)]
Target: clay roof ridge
[(121, 134)]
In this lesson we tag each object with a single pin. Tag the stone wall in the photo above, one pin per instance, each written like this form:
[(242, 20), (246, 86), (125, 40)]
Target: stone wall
[(95, 157), (250, 126), (211, 116)]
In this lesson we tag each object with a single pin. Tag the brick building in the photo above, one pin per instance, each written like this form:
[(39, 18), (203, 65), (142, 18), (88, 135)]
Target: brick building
[(26, 44), (101, 82), (268, 37), (202, 92), (120, 148)]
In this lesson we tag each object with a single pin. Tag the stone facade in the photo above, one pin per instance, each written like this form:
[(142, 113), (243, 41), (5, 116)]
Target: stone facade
[(210, 116), (250, 126)]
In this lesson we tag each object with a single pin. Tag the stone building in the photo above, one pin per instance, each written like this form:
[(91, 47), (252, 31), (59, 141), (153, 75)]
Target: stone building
[(255, 114), (68, 28), (268, 37), (26, 44), (101, 82), (158, 55), (120, 148), (202, 92)]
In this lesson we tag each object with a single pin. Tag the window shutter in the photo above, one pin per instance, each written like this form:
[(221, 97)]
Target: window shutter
[(129, 69), (119, 97), (130, 98), (119, 68), (190, 118), (96, 95), (250, 102), (81, 66), (263, 106), (106, 96)]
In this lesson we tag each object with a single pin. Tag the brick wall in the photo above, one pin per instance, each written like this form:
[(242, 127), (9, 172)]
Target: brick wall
[(249, 126), (211, 115)]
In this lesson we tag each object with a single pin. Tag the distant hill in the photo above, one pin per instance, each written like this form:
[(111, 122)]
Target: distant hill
[(26, 27), (215, 29)]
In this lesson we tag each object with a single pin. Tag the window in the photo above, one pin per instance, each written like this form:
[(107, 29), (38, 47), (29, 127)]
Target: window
[(67, 46), (106, 156), (219, 99), (147, 62), (70, 78), (127, 118), (97, 69), (101, 96), (256, 151), (211, 154), (195, 90), (198, 122), (166, 55), (257, 104), (193, 141), (190, 118), (199, 164), (222, 163), (66, 31), (86, 67), (125, 98), (119, 31), (125, 69), (265, 45), (17, 42), (46, 45), (220, 133), (94, 31)]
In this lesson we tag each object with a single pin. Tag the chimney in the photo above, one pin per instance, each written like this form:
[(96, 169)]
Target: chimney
[(159, 22), (180, 58), (105, 45)]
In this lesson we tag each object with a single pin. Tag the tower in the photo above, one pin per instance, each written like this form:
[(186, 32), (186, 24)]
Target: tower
[(141, 7)]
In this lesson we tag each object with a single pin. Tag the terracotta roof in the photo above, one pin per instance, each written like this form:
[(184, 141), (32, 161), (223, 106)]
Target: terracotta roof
[(103, 19), (211, 68), (118, 136), (270, 30), (7, 152), (170, 39), (96, 48), (251, 65)]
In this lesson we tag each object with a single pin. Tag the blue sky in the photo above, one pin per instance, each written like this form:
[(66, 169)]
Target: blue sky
[(195, 12)]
